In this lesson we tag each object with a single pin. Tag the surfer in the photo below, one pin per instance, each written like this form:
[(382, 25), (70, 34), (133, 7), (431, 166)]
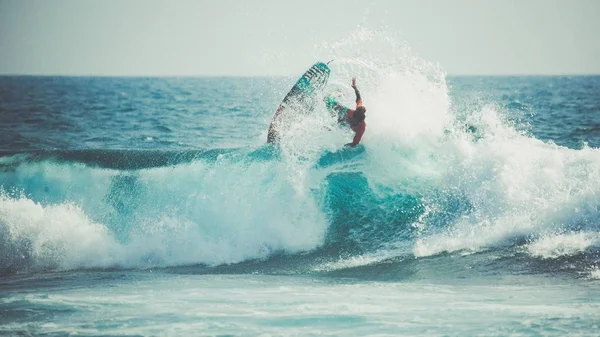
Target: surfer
[(355, 117)]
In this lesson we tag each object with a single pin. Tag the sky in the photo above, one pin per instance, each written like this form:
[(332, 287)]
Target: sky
[(278, 37)]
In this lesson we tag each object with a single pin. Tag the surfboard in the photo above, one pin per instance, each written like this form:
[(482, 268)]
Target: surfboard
[(301, 99)]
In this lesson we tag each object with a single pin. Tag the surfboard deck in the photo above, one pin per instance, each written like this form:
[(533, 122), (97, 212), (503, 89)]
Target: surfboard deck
[(301, 99)]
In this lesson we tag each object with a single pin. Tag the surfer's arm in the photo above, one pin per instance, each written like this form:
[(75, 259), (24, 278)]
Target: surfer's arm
[(356, 139), (358, 98)]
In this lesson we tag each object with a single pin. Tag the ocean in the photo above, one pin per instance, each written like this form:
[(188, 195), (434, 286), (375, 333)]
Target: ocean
[(153, 207)]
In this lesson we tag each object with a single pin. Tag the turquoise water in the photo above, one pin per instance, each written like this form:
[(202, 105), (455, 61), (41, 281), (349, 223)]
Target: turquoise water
[(142, 303), (153, 206)]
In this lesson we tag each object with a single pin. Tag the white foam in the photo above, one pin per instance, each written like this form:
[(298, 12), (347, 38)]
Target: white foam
[(513, 184), (594, 273), (56, 235), (517, 186), (553, 246), (223, 212), (360, 260)]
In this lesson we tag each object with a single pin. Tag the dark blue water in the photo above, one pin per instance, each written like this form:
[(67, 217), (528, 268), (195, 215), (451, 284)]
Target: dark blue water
[(561, 109), (171, 113), (138, 184)]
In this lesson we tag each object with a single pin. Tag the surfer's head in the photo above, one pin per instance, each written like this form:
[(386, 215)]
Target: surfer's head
[(358, 116), (360, 112)]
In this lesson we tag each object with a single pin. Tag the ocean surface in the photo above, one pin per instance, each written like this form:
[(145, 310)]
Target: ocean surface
[(153, 207)]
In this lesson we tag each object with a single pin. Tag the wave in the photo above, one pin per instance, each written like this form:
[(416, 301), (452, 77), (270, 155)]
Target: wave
[(422, 190), (111, 158)]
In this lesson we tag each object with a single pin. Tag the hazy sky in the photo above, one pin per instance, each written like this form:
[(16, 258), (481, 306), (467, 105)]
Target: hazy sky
[(278, 37)]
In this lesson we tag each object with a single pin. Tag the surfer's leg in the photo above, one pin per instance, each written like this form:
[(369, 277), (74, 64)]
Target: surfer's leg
[(336, 109)]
